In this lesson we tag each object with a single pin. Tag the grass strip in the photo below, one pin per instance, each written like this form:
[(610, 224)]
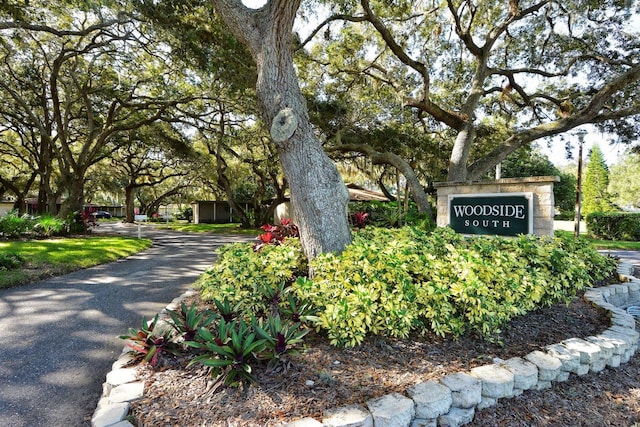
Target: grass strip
[(52, 257)]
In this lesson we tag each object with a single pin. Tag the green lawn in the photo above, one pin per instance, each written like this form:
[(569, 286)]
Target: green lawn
[(231, 228), (605, 244), (46, 258), (51, 257)]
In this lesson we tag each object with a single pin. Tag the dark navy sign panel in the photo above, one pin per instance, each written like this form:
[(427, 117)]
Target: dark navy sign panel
[(502, 214)]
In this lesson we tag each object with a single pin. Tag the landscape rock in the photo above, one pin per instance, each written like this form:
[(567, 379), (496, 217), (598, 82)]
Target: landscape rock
[(548, 365), (431, 398), (589, 352), (392, 410), (348, 416), (108, 415), (466, 390), (127, 392), (497, 382), (525, 374), (456, 417)]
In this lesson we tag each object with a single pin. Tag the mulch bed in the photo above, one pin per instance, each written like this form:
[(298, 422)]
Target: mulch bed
[(325, 377)]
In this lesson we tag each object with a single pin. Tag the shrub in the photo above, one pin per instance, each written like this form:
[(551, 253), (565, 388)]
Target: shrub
[(250, 279), (80, 222), (399, 281), (13, 225), (47, 226), (387, 214), (276, 234), (614, 225), (392, 282), (10, 261)]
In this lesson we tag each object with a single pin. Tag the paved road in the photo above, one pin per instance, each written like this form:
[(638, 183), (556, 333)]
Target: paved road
[(629, 256), (59, 337)]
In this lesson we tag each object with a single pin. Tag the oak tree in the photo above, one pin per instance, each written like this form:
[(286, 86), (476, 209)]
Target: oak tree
[(318, 195)]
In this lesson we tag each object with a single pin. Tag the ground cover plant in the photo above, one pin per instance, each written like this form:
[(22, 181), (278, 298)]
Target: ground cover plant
[(14, 225)]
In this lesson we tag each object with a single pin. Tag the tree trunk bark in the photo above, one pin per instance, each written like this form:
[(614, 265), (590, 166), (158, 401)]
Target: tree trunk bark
[(75, 200), (319, 197), (129, 212), (460, 155)]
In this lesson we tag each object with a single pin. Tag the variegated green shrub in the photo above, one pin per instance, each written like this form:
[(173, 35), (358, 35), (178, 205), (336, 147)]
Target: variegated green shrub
[(395, 282), (254, 279), (390, 282)]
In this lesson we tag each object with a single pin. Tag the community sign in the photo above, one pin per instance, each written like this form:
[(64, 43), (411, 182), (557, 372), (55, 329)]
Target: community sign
[(505, 214)]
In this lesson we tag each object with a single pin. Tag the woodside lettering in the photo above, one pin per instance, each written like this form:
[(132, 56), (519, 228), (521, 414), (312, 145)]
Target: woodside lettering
[(503, 211)]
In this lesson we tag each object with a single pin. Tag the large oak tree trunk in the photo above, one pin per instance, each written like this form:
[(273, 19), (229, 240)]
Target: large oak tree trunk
[(75, 198), (318, 195)]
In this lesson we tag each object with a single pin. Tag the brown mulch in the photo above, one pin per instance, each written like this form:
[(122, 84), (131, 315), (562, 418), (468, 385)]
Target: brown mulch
[(325, 377)]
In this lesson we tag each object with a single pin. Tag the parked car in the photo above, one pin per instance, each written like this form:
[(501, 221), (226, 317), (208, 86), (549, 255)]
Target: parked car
[(101, 214)]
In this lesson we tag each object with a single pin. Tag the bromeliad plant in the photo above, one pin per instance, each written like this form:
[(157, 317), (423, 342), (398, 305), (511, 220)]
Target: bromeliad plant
[(226, 310), (188, 320), (296, 311), (230, 353), (150, 341), (281, 338), (360, 219)]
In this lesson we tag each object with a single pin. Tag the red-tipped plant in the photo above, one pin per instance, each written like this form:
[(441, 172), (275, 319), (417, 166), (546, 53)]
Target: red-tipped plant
[(360, 219), (275, 234), (150, 341)]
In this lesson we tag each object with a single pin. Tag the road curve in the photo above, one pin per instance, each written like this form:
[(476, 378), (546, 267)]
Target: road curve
[(59, 337)]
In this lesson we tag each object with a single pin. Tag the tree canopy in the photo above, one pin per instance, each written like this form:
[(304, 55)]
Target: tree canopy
[(77, 77), (624, 181), (540, 67)]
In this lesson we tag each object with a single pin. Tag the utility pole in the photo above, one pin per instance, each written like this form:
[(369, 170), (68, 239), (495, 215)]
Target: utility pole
[(580, 134)]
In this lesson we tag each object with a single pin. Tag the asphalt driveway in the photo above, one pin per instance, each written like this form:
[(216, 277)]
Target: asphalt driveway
[(59, 337)]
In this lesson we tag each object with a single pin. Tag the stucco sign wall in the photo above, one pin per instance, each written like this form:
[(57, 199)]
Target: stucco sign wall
[(509, 206)]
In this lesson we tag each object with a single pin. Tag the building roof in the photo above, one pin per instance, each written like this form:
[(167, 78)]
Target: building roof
[(360, 194)]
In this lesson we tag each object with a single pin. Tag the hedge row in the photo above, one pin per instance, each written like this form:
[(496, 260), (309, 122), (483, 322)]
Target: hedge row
[(614, 225)]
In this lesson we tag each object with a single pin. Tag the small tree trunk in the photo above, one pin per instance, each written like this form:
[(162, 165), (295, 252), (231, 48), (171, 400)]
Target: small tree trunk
[(129, 212)]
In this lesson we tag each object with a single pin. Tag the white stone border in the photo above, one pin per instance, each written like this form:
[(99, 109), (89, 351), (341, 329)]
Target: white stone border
[(122, 385), (453, 400)]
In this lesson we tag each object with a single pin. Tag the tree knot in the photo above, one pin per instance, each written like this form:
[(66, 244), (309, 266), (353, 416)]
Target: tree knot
[(284, 125)]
